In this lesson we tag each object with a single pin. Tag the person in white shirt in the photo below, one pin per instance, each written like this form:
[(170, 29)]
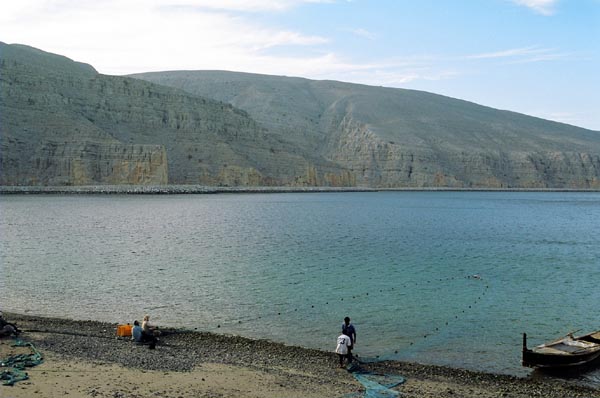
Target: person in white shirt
[(343, 342), (149, 332)]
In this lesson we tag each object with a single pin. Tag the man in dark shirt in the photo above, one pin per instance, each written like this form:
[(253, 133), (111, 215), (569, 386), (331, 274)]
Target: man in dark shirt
[(348, 330)]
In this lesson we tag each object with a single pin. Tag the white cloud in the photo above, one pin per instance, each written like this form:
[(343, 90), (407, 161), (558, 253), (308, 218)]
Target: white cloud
[(120, 37), (364, 33), (544, 7), (522, 54), (504, 53), (247, 5)]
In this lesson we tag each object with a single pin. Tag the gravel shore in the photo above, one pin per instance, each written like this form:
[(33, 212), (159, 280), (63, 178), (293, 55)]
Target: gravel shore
[(204, 189), (295, 368)]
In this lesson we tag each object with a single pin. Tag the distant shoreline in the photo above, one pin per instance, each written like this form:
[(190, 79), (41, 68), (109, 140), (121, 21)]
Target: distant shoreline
[(204, 189)]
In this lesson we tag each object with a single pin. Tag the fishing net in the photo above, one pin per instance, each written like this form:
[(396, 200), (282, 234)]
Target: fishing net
[(376, 385), (16, 364)]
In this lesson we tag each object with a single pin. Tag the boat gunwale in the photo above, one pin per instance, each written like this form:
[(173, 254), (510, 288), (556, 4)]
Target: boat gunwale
[(535, 359)]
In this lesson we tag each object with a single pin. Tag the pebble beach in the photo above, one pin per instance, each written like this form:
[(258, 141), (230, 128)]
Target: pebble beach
[(87, 359)]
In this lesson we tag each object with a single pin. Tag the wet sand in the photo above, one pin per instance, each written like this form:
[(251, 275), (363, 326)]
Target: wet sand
[(86, 359)]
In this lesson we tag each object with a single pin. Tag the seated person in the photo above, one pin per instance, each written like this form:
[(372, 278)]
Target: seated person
[(149, 332), (7, 329), (136, 332)]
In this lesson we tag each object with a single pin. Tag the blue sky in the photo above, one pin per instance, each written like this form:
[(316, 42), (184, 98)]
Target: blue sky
[(539, 57)]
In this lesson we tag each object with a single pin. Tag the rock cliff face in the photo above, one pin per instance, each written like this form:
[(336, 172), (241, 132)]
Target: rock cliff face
[(383, 137), (379, 163), (62, 123), (88, 163)]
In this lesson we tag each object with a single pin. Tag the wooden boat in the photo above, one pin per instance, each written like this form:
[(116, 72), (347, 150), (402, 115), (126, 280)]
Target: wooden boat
[(565, 352)]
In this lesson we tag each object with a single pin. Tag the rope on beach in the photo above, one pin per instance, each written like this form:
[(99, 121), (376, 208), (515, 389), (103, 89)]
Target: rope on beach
[(16, 364), (69, 333)]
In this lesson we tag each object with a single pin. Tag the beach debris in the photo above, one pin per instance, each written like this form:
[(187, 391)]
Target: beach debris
[(16, 364)]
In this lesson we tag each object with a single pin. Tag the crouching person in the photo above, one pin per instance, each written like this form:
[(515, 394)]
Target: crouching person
[(7, 329)]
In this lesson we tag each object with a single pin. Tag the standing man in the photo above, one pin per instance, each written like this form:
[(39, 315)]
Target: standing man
[(343, 349), (348, 330)]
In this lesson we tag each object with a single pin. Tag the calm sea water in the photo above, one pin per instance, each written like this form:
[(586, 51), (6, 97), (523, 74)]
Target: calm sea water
[(289, 267)]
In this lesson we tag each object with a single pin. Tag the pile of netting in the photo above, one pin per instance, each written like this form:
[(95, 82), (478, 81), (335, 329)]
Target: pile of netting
[(16, 364), (376, 385)]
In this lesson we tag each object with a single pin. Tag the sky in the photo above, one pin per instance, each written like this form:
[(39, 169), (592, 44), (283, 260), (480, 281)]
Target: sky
[(538, 57)]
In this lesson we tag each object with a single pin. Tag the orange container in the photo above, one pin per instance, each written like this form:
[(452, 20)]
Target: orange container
[(124, 330)]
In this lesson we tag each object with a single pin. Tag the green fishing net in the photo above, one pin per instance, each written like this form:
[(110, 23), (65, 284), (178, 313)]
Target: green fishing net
[(15, 365), (376, 385)]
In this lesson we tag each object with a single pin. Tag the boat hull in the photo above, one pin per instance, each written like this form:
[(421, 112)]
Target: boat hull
[(564, 353), (535, 360)]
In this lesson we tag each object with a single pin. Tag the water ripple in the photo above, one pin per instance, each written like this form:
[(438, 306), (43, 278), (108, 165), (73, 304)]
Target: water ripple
[(401, 264)]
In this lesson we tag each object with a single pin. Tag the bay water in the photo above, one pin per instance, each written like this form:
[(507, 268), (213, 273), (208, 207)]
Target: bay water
[(447, 278)]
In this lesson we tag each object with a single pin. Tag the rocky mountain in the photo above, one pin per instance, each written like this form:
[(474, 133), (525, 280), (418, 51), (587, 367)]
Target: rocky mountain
[(62, 123), (386, 137)]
